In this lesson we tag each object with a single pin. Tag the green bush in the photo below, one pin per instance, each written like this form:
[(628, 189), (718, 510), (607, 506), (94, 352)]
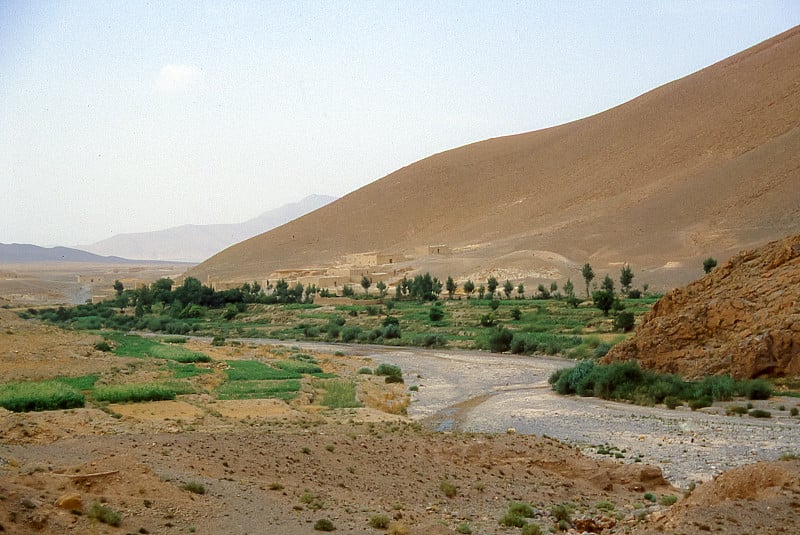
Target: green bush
[(755, 389), (379, 521), (365, 370), (430, 340), (392, 373), (522, 509), (323, 524), (39, 396), (699, 403), (436, 313), (512, 520), (103, 346), (561, 513), (105, 514), (794, 411), (351, 333), (759, 413), (391, 331), (500, 339), (194, 486), (624, 321), (531, 529)]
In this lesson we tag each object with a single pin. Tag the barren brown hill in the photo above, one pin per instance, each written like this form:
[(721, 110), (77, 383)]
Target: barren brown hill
[(707, 164), (742, 319)]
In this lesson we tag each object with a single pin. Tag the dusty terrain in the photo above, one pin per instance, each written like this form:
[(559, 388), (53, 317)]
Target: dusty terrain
[(55, 283), (742, 319), (272, 467), (706, 165)]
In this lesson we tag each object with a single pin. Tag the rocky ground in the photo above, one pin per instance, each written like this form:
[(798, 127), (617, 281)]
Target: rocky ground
[(270, 467)]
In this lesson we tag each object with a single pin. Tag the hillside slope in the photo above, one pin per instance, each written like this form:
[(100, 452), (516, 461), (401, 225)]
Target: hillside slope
[(195, 243), (742, 319), (707, 164)]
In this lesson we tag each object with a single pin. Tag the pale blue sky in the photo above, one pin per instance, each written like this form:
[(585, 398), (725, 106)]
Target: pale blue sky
[(119, 116)]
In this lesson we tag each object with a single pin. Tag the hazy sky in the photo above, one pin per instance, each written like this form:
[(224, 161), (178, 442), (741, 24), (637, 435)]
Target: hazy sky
[(128, 116)]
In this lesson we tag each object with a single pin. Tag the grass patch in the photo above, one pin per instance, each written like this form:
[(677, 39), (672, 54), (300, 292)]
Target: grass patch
[(298, 366), (39, 396), (136, 346), (82, 382), (340, 395), (184, 371), (253, 370), (286, 389), (137, 393), (194, 486)]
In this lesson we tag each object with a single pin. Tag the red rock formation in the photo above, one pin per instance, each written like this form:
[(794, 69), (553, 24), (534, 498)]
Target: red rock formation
[(742, 318)]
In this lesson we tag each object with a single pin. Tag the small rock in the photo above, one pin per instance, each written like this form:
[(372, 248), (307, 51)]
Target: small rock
[(71, 501)]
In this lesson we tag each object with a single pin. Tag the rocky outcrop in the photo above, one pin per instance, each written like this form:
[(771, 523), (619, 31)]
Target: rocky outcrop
[(743, 319)]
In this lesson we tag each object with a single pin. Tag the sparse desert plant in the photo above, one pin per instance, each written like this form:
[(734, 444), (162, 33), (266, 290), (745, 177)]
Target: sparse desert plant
[(379, 521), (522, 509), (275, 486), (194, 486), (104, 514), (512, 520), (561, 513), (760, 413), (449, 489), (464, 528), (605, 505), (736, 409), (531, 529), (323, 524), (668, 499), (650, 497), (392, 373), (365, 370)]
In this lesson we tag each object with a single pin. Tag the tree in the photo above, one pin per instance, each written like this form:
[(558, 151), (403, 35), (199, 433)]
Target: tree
[(491, 285), (608, 285), (604, 300), (508, 288), (451, 287), (469, 287), (709, 264), (381, 286), (625, 278), (554, 289), (588, 275), (481, 291), (118, 287), (521, 291), (624, 321), (366, 283), (544, 293), (569, 289)]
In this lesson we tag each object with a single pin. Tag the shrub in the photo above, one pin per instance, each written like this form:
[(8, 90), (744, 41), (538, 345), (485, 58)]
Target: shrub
[(487, 320), (513, 521), (650, 497), (392, 373), (716, 387), (323, 524), (561, 513), (494, 304), (350, 333), (463, 528), (391, 331), (635, 294), (365, 371), (671, 402), (500, 339), (449, 489), (379, 521), (105, 514), (794, 411), (601, 350), (699, 403), (668, 499), (531, 529), (759, 413), (430, 340), (218, 341), (436, 313), (521, 509), (195, 487), (756, 389), (516, 313), (624, 321), (103, 346), (736, 409)]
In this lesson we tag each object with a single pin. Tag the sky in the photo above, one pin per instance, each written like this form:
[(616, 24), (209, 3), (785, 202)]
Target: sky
[(119, 116)]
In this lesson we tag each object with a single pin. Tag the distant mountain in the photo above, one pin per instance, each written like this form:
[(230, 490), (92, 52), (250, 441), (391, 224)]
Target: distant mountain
[(706, 165), (23, 253), (195, 243)]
